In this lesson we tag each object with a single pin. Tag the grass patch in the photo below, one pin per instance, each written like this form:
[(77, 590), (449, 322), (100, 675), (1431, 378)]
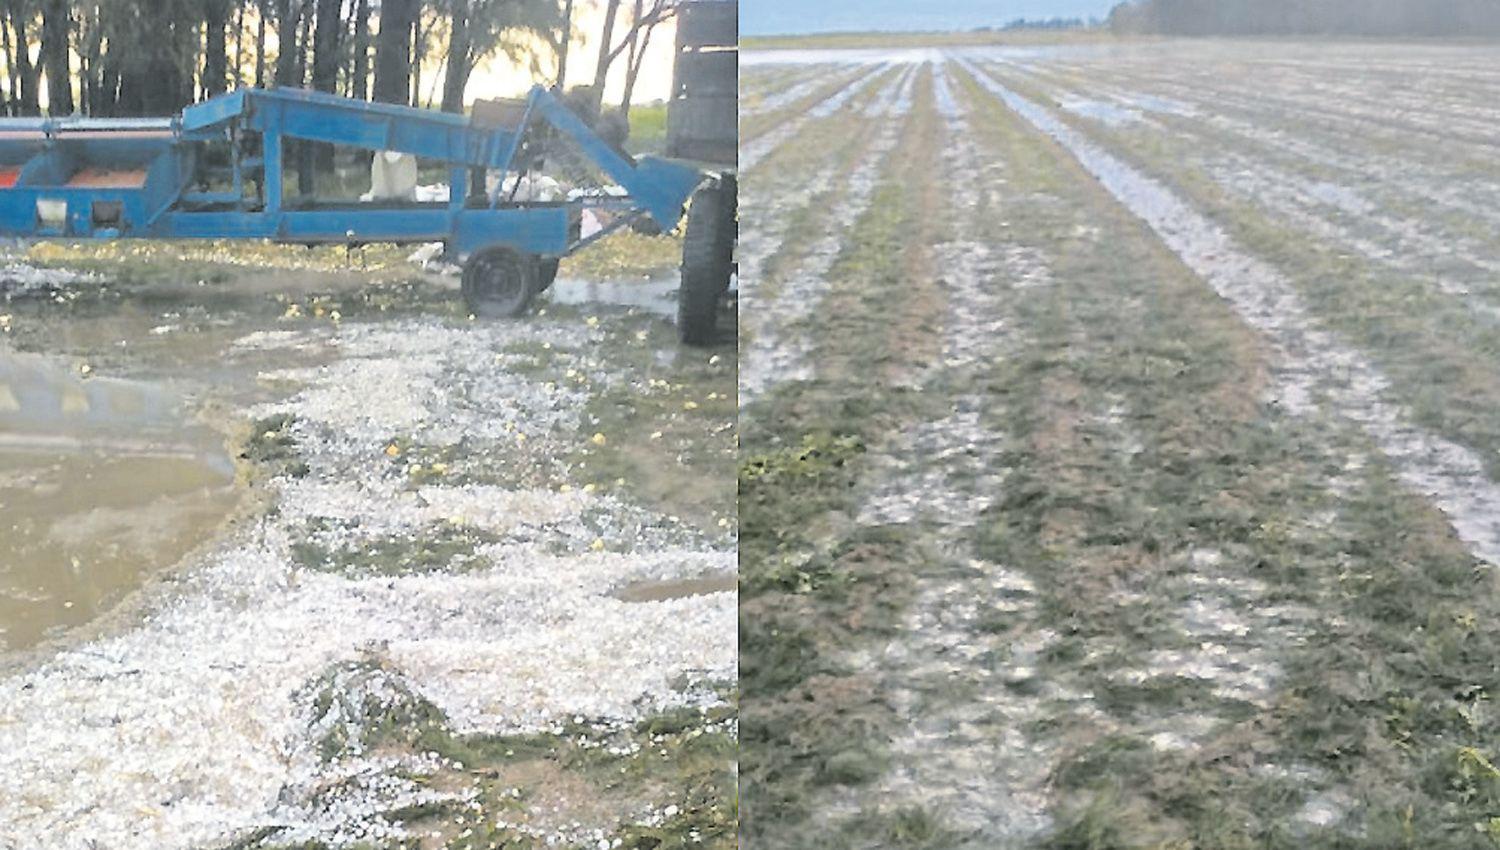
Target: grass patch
[(648, 129), (813, 584)]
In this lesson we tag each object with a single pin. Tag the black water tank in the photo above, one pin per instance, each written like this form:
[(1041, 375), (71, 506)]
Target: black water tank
[(703, 117)]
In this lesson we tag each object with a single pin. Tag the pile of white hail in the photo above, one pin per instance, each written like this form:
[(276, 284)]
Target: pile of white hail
[(199, 724), (22, 279)]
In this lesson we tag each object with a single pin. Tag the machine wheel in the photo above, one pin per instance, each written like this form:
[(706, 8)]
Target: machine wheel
[(707, 261), (499, 282), (546, 272)]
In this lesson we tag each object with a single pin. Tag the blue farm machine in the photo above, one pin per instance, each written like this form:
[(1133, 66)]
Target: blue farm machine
[(218, 171)]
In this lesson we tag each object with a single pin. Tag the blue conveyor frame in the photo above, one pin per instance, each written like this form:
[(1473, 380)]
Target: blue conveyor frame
[(43, 155)]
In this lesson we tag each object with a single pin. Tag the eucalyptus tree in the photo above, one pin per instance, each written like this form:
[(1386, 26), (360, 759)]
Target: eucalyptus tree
[(480, 29)]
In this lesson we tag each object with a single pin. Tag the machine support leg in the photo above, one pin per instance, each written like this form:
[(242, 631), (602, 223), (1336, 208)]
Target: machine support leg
[(458, 185), (477, 188), (271, 158), (236, 153)]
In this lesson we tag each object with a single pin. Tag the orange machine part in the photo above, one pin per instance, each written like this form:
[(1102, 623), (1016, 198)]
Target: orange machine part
[(8, 177), (99, 178)]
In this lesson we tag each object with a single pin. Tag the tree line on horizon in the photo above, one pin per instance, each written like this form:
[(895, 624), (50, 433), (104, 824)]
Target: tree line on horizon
[(153, 57), (1382, 18)]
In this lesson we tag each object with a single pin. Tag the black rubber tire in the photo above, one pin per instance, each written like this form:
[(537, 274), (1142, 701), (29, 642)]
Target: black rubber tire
[(646, 226), (546, 272), (707, 261), (499, 282)]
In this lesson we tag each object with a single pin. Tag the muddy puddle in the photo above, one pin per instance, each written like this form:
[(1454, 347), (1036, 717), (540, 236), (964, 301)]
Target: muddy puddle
[(106, 481), (661, 591), (657, 296), (102, 482)]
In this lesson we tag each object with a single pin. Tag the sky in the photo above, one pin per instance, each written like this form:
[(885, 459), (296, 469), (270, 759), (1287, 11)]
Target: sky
[(500, 77), (776, 17)]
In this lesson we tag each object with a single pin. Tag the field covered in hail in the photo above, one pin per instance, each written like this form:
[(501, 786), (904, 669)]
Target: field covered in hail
[(1120, 447), (478, 592)]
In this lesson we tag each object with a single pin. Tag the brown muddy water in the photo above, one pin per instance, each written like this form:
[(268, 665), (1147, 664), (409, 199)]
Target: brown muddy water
[(658, 591), (103, 481), (106, 477)]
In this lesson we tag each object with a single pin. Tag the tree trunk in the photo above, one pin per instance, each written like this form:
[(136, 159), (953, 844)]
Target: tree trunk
[(215, 60), (359, 85), (82, 106), (287, 15), (237, 67), (562, 49), (151, 80), (12, 79), (92, 90), (108, 101), (55, 26), (25, 70), (85, 68), (601, 70), (633, 49), (456, 74), (325, 68), (304, 39), (393, 51), (186, 45), (633, 70), (418, 53), (260, 44), (300, 151), (106, 98)]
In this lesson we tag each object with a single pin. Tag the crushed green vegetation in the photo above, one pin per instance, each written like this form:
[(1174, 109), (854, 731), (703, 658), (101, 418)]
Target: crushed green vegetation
[(271, 448), (812, 585), (525, 791), (447, 548)]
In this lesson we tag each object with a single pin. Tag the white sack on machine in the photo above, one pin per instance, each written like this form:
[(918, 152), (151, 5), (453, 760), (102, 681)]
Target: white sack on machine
[(524, 189), (393, 177)]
